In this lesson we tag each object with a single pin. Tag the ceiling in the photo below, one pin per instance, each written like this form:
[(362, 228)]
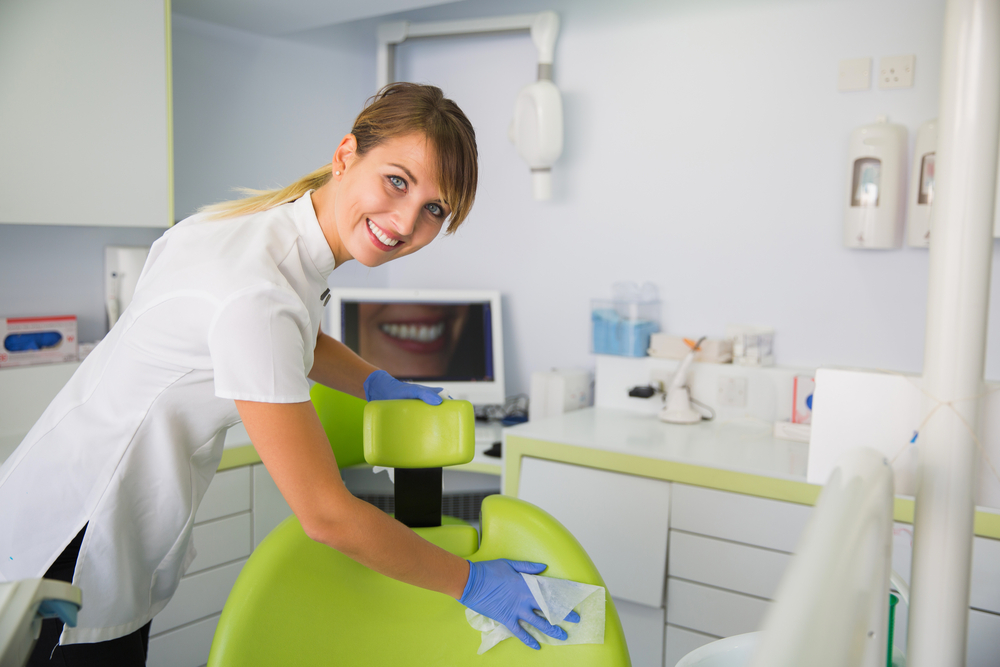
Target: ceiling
[(280, 17)]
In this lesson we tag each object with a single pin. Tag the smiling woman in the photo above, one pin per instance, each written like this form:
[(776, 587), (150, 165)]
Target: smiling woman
[(224, 326)]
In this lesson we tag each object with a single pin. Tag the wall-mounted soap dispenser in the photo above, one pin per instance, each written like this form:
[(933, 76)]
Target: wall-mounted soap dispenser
[(920, 201), (876, 186)]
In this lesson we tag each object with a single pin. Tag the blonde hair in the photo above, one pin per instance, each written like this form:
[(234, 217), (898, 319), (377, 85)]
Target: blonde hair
[(396, 110)]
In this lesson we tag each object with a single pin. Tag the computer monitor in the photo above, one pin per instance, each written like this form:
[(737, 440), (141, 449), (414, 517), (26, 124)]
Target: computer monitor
[(441, 338)]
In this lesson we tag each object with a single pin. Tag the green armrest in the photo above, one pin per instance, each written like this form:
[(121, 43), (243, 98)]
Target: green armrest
[(298, 602), (413, 434)]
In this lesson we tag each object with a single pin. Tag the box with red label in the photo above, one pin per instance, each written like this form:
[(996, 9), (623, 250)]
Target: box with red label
[(37, 340)]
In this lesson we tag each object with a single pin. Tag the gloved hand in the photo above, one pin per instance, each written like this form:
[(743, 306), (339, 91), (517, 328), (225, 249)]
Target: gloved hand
[(380, 386), (497, 590)]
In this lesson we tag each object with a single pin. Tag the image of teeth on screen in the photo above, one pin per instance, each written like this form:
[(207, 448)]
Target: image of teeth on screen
[(556, 598)]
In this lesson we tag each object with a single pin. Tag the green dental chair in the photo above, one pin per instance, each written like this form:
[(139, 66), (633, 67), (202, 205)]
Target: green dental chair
[(299, 602)]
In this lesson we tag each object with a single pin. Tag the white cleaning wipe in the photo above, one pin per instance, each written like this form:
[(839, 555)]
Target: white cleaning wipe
[(555, 599), (389, 471)]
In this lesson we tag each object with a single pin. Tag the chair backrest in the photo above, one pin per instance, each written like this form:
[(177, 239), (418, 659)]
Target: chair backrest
[(342, 417), (298, 602)]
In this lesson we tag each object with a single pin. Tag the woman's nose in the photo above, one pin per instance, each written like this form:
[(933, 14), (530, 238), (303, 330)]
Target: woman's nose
[(406, 219)]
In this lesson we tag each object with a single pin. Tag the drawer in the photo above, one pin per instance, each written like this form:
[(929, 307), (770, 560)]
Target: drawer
[(198, 596), (730, 565), (984, 639), (228, 493), (772, 524), (985, 593), (269, 506), (184, 647), (621, 520), (221, 541), (713, 611), (680, 642), (644, 627)]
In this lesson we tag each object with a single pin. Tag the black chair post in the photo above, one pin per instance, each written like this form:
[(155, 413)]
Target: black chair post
[(418, 497)]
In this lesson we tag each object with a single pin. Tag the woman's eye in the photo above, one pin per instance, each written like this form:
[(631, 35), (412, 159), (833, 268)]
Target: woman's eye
[(435, 210), (397, 182)]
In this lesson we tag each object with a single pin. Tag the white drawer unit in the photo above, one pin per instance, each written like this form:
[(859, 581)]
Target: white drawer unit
[(186, 646), (621, 520), (723, 564), (198, 596), (644, 628), (713, 611), (221, 541), (680, 642), (985, 593), (984, 640), (761, 522), (229, 493)]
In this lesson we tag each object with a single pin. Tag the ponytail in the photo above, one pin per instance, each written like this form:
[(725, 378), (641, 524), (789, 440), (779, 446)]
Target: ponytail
[(263, 200)]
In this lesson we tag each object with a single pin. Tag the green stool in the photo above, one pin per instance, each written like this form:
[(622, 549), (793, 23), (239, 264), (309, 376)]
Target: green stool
[(299, 602)]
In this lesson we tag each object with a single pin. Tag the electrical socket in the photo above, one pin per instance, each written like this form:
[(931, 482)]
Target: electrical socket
[(732, 392), (896, 72)]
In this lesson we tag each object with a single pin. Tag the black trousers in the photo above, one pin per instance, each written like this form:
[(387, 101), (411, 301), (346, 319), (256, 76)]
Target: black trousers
[(127, 651)]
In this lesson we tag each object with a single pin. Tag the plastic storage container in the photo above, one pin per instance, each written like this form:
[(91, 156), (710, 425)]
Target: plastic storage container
[(622, 325)]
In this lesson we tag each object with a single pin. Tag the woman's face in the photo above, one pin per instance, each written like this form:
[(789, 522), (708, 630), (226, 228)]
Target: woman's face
[(409, 340), (388, 203)]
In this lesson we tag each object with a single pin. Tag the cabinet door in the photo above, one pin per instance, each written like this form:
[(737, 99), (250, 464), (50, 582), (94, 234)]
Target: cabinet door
[(621, 520), (713, 611), (184, 647), (729, 565), (680, 642), (761, 522), (85, 136), (644, 627)]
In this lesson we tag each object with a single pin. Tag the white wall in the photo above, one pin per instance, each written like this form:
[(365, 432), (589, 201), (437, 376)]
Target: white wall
[(260, 112), (705, 152)]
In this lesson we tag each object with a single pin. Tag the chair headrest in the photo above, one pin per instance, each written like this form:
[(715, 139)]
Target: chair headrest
[(412, 434)]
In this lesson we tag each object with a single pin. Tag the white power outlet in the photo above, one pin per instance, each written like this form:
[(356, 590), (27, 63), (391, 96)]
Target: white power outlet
[(732, 392), (896, 72)]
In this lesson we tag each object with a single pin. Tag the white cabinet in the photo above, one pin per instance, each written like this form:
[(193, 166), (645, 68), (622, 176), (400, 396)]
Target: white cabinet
[(621, 520), (240, 507), (85, 137), (644, 631)]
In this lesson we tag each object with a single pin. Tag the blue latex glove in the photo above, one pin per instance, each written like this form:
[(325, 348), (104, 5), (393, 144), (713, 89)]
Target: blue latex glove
[(497, 590), (380, 386)]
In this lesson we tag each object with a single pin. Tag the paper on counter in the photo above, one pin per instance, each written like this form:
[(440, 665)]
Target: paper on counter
[(555, 599)]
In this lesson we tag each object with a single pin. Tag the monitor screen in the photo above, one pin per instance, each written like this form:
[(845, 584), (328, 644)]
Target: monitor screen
[(444, 341), (451, 339)]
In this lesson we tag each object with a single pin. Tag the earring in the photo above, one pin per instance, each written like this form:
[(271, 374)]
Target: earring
[(336, 173)]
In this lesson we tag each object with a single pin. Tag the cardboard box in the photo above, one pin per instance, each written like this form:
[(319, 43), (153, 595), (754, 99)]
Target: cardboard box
[(25, 341)]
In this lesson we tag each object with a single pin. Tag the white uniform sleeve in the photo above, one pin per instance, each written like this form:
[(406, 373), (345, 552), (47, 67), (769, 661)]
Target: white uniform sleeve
[(258, 347)]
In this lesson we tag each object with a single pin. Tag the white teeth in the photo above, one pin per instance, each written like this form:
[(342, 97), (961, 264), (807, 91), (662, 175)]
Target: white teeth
[(381, 237), (424, 333)]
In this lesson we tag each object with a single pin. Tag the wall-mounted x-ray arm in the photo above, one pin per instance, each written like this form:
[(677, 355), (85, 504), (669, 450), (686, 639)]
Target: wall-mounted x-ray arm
[(537, 127)]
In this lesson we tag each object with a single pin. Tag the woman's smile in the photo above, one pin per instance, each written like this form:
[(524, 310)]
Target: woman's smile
[(381, 238)]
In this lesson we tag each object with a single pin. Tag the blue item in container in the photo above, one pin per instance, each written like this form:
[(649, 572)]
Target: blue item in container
[(614, 334), (32, 341)]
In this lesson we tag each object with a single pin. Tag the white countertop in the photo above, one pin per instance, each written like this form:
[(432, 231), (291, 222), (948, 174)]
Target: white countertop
[(739, 445)]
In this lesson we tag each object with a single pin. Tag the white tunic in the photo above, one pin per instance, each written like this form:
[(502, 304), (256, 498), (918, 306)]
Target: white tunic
[(224, 309)]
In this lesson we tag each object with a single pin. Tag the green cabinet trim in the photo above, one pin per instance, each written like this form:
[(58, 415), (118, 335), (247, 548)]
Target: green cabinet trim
[(987, 524)]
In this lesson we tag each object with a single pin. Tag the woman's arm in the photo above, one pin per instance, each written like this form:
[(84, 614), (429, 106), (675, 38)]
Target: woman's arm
[(338, 367), (291, 443)]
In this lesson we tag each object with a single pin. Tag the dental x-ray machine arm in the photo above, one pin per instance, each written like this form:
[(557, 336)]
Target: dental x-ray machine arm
[(537, 127)]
